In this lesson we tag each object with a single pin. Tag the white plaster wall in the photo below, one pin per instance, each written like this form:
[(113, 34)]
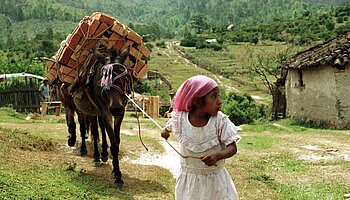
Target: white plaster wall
[(342, 79), (324, 99)]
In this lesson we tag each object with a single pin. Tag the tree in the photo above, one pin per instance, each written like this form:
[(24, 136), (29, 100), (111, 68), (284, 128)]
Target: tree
[(330, 25), (265, 66), (199, 23), (20, 14)]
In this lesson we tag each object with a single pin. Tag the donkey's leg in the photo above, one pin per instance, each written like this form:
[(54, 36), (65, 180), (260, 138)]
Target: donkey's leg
[(107, 120), (71, 126), (82, 122), (69, 107), (104, 153), (87, 123), (117, 173), (95, 137)]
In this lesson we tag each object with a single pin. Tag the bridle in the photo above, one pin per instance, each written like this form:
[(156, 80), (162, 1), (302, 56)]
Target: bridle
[(109, 77)]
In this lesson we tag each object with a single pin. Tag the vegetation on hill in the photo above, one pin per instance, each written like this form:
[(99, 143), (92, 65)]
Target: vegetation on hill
[(31, 28), (166, 17)]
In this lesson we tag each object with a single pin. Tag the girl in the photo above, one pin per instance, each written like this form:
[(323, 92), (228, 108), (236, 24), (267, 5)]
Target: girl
[(207, 137)]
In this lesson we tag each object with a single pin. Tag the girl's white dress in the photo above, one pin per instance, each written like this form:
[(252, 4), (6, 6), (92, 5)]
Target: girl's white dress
[(197, 181)]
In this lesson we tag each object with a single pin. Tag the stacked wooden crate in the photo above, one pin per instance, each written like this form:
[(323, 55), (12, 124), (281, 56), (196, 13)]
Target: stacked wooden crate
[(51, 69), (75, 52)]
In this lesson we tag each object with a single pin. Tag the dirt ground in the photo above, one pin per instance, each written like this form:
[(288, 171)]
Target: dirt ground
[(322, 149), (168, 160), (317, 146)]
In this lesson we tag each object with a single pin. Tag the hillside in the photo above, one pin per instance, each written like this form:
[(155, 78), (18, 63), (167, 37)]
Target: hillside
[(33, 28), (172, 15), (159, 18), (155, 18), (329, 2)]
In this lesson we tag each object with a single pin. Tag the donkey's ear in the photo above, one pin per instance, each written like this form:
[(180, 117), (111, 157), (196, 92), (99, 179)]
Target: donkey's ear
[(100, 57), (124, 54), (113, 52)]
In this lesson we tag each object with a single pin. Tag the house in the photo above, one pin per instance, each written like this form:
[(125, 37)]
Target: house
[(317, 85), (211, 40)]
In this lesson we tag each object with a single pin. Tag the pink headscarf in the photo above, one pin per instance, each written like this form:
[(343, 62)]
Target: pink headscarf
[(193, 88)]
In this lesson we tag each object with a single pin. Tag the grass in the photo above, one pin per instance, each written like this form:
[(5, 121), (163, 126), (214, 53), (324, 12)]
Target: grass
[(36, 164), (173, 67), (272, 160), (272, 163), (10, 115), (234, 65), (312, 191)]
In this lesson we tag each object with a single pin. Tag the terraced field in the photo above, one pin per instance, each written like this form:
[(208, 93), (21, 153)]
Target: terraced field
[(231, 67)]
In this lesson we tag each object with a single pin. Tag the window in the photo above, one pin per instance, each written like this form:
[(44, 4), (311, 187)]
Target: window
[(300, 83)]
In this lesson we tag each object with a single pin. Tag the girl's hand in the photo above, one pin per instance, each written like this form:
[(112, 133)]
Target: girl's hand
[(229, 151), (165, 134), (211, 159)]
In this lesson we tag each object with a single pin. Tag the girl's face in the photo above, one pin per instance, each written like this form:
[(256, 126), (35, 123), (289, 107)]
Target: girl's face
[(212, 102)]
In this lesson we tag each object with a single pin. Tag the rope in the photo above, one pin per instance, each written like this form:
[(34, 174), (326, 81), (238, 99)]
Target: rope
[(86, 40), (107, 80), (91, 100), (138, 122), (161, 128)]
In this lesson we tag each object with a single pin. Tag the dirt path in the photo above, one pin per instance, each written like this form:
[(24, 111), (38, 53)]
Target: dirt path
[(169, 160)]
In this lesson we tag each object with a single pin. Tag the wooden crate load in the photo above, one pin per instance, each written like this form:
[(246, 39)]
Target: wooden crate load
[(75, 53), (151, 105), (51, 69)]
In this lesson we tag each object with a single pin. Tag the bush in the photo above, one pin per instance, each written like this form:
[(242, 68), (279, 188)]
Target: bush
[(189, 42), (242, 109), (203, 44), (161, 44), (142, 87), (149, 46)]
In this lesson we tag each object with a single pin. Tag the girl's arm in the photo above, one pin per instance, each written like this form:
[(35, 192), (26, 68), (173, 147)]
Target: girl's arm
[(229, 151)]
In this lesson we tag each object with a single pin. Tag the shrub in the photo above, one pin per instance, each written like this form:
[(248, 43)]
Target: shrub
[(242, 109), (201, 44), (161, 44), (142, 87), (149, 46), (188, 42)]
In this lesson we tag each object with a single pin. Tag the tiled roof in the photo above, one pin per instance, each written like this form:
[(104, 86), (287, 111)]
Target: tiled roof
[(333, 52)]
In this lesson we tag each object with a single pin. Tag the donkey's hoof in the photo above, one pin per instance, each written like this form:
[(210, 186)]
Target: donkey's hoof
[(71, 140), (97, 163), (83, 153), (104, 159), (119, 185)]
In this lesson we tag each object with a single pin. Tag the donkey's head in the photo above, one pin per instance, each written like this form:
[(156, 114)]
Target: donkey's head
[(115, 80)]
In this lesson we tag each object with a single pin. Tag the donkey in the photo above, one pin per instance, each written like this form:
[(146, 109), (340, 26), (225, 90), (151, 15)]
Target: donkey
[(110, 82), (62, 92)]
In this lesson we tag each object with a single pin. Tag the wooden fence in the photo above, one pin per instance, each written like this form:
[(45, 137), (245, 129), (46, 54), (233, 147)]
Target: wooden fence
[(21, 95)]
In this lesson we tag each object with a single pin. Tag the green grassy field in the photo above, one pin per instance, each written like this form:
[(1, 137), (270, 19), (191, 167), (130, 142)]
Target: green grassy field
[(275, 160)]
